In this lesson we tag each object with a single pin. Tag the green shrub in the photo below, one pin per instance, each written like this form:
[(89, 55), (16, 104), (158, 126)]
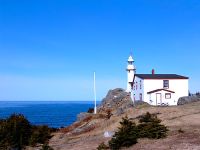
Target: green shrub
[(90, 110), (40, 134), (16, 132), (102, 146), (46, 147), (125, 136), (108, 113), (150, 127)]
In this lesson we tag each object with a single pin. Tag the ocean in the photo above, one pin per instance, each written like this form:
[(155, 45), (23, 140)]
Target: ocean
[(52, 113)]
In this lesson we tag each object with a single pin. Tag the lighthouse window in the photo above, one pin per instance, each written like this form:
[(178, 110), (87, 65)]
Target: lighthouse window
[(140, 84)]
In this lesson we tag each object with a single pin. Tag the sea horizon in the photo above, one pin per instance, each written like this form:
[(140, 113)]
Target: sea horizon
[(49, 100), (52, 113)]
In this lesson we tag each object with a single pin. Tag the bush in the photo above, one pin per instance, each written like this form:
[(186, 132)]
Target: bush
[(108, 113), (125, 136), (46, 147), (102, 146), (40, 134), (90, 110), (16, 132), (150, 127)]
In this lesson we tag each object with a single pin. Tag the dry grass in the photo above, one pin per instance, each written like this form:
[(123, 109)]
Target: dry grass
[(76, 125), (186, 117)]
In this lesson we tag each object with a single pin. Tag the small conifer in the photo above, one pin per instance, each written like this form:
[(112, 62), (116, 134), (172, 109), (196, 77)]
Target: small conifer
[(150, 127), (102, 146), (125, 136)]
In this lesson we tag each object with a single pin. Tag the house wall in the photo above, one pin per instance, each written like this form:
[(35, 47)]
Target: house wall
[(139, 90), (154, 101), (179, 86)]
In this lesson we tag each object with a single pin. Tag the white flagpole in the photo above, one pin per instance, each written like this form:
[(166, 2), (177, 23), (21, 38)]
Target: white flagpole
[(95, 107)]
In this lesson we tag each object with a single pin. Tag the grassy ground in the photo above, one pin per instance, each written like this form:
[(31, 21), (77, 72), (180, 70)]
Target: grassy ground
[(182, 121)]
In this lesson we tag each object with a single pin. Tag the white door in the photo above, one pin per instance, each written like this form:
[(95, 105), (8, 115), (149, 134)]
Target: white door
[(158, 99)]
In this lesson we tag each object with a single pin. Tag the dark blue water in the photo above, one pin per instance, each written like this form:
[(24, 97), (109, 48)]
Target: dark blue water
[(52, 113)]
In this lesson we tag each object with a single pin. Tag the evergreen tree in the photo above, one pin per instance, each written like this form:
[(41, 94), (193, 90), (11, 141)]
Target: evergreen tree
[(125, 136), (46, 147), (150, 127), (15, 132), (40, 134), (102, 146)]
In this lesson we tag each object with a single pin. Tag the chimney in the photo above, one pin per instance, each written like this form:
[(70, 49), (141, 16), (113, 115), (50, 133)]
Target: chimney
[(153, 71)]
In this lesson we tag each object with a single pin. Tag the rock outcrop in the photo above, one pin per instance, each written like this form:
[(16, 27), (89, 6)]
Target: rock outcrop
[(188, 99), (83, 115), (116, 101)]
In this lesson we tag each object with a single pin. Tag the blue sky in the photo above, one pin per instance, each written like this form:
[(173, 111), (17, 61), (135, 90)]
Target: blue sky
[(49, 49)]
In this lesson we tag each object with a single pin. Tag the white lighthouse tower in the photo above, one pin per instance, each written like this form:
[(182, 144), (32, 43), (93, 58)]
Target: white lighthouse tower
[(130, 74)]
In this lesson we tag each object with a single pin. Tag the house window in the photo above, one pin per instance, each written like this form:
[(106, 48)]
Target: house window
[(167, 95), (136, 85), (141, 96), (140, 84), (165, 83)]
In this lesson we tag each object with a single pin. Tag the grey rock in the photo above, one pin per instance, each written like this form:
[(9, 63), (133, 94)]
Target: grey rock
[(83, 128), (116, 100), (136, 103), (188, 99), (83, 115), (119, 111), (108, 134)]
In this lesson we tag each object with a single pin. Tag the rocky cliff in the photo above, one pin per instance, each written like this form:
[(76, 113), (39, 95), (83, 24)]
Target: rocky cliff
[(117, 101)]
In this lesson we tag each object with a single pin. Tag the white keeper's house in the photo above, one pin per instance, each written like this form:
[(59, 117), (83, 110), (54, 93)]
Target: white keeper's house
[(155, 89)]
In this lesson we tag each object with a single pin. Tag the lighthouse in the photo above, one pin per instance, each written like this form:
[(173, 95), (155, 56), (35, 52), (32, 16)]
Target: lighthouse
[(130, 74)]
